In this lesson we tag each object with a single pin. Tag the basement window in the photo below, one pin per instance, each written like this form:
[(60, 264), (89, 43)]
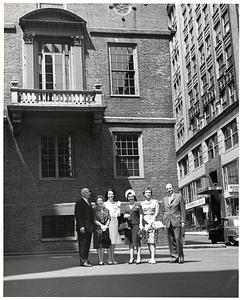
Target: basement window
[(58, 227)]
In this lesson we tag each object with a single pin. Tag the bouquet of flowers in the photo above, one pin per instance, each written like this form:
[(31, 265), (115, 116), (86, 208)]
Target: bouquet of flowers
[(116, 210)]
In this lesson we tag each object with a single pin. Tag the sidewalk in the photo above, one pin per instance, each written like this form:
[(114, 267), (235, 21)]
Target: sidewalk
[(196, 245), (205, 273)]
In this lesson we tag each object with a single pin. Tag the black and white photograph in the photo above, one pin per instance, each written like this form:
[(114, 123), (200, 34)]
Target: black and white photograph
[(120, 149)]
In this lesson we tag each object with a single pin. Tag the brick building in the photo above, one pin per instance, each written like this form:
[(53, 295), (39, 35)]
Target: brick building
[(87, 103)]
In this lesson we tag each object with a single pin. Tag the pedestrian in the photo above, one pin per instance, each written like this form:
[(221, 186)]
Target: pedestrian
[(174, 217), (84, 215), (150, 209), (102, 221), (115, 212), (134, 216)]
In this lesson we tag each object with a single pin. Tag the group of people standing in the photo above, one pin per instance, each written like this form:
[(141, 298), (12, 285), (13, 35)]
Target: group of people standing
[(103, 220)]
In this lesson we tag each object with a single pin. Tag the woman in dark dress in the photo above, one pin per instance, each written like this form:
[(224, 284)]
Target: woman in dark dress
[(101, 220), (134, 216)]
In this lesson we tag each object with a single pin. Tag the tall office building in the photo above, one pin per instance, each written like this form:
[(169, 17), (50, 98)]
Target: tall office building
[(205, 91)]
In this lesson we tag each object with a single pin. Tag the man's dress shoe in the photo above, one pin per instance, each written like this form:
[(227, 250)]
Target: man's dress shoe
[(174, 260), (85, 265)]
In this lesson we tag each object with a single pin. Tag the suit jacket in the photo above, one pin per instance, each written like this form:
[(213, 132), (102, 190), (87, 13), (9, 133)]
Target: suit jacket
[(174, 213), (84, 215)]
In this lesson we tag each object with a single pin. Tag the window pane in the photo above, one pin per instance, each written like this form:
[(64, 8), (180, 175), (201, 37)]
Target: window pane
[(47, 47), (57, 48)]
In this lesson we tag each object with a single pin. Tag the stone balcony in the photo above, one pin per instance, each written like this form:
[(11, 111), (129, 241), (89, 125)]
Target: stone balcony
[(85, 104)]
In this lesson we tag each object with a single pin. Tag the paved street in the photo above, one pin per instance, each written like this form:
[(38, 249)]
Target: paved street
[(207, 272)]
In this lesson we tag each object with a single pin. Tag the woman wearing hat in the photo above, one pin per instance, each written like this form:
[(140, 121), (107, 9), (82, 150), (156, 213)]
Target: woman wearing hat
[(134, 216)]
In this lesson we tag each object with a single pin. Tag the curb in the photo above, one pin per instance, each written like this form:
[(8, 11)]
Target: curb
[(200, 246)]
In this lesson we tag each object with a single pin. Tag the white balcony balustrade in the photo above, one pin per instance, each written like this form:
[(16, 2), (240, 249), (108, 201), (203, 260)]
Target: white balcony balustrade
[(38, 97)]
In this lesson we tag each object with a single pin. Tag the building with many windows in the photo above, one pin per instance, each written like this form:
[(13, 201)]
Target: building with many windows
[(87, 103), (205, 91)]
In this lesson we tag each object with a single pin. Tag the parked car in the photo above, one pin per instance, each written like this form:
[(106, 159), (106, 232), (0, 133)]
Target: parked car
[(227, 231)]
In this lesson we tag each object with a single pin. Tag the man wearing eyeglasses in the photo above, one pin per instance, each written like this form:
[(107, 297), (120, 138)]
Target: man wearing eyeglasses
[(174, 217), (84, 225)]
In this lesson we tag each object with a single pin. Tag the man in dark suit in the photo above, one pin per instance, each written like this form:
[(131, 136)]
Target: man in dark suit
[(174, 217), (84, 225)]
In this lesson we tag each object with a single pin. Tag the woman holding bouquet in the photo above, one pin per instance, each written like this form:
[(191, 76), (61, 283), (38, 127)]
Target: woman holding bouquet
[(150, 212), (114, 210)]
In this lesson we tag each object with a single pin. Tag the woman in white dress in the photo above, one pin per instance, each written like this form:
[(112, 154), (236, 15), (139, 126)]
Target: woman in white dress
[(114, 210)]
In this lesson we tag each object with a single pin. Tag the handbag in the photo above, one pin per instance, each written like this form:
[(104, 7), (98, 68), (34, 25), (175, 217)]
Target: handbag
[(158, 224), (104, 238), (140, 234), (124, 226)]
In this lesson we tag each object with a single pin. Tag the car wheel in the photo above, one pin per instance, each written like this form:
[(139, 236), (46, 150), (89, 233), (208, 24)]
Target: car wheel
[(214, 241), (232, 242)]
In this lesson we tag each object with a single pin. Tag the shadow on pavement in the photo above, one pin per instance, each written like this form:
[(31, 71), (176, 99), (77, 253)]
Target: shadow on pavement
[(47, 263), (186, 284)]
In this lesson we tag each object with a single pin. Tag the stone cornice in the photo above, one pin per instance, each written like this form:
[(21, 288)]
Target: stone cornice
[(129, 32), (140, 120)]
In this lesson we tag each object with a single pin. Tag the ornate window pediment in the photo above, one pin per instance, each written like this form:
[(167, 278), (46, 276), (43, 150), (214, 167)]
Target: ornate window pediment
[(55, 22), (51, 17)]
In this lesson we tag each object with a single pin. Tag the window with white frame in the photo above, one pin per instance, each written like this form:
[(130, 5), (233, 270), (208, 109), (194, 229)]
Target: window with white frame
[(220, 65), (56, 156), (208, 46), (180, 136), (229, 56), (226, 23), (231, 91), (123, 69), (211, 76), (196, 90), (231, 173), (197, 156), (189, 72), (54, 65), (183, 165), (231, 137), (213, 147), (179, 110), (58, 226), (128, 155), (224, 99)]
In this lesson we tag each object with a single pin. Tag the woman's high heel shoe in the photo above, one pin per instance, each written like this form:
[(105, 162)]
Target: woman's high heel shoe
[(138, 261), (131, 262), (109, 262)]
